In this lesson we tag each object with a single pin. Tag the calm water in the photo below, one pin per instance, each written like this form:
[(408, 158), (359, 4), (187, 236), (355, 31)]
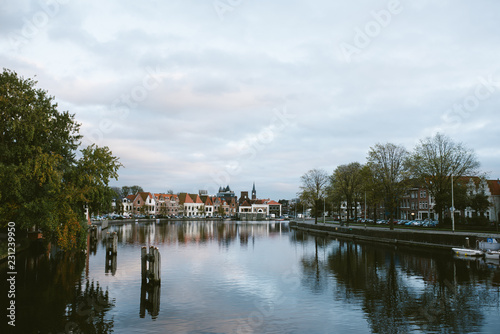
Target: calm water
[(231, 277)]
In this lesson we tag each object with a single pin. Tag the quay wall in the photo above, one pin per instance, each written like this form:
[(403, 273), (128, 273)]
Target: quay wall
[(412, 238)]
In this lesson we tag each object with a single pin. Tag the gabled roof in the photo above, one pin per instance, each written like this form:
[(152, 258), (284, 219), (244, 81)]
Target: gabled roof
[(196, 198), (185, 198), (245, 203), (273, 203), (131, 197), (494, 186), (206, 200), (144, 195)]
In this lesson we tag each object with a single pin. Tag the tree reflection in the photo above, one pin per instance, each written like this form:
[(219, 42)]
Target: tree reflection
[(400, 292), (56, 283), (87, 312), (314, 274)]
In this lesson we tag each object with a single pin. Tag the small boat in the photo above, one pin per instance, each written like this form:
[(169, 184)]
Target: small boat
[(492, 255), (467, 251)]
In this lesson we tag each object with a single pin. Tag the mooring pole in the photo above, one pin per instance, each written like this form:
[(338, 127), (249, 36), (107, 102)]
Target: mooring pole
[(144, 259)]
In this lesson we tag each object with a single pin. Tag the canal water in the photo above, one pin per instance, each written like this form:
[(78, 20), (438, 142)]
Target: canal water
[(253, 277)]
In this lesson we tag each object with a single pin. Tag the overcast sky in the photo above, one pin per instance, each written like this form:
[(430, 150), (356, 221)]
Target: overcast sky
[(195, 94)]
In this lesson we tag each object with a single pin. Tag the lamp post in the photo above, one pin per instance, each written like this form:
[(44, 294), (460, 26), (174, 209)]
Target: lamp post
[(365, 207), (452, 205), (323, 210)]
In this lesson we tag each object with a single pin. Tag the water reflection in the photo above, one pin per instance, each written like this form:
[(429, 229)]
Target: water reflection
[(400, 292), (195, 232), (52, 296), (150, 300), (225, 277)]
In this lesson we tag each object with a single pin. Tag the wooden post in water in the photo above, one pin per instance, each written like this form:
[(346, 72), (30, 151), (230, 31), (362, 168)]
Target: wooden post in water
[(93, 233), (150, 287), (150, 264), (111, 243), (144, 263), (111, 251)]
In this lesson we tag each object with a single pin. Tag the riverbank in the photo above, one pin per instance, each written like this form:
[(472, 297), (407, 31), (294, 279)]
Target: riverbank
[(432, 239)]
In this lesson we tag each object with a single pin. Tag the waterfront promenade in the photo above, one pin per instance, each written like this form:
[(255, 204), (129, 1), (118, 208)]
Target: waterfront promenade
[(422, 237)]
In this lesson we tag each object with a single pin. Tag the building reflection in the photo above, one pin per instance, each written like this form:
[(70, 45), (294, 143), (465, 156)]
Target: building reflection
[(197, 232), (400, 292)]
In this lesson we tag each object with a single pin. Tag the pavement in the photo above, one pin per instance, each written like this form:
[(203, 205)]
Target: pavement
[(419, 230)]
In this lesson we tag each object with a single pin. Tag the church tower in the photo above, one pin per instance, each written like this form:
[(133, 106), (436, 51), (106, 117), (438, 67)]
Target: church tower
[(254, 193)]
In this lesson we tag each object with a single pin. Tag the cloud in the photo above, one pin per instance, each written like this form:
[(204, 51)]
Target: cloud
[(183, 96)]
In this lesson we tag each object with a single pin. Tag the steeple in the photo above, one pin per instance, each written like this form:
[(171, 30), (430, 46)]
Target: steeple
[(254, 193)]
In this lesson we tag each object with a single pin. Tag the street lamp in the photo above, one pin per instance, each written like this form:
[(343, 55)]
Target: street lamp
[(452, 204), (323, 210), (365, 208)]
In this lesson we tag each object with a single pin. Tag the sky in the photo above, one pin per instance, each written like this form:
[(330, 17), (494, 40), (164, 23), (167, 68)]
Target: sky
[(194, 94)]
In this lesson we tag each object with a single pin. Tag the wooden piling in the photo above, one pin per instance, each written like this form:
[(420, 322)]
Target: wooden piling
[(150, 287), (150, 264), (111, 243), (93, 233), (144, 263)]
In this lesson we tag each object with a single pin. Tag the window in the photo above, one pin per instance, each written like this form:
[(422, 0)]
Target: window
[(423, 194)]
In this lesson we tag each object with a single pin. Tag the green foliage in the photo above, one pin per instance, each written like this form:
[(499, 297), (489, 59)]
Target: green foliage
[(313, 190), (43, 185), (389, 165), (436, 161), (346, 180)]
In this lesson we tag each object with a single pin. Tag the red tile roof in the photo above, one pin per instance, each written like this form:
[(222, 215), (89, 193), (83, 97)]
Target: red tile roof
[(185, 198), (196, 198), (144, 195), (494, 186)]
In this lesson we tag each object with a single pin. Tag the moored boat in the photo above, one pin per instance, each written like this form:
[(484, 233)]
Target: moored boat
[(467, 251), (492, 255)]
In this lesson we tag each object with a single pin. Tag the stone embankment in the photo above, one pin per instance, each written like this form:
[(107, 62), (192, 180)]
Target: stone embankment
[(432, 239)]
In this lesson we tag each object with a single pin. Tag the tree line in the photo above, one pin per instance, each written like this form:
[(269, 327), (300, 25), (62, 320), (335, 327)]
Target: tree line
[(390, 171), (47, 180)]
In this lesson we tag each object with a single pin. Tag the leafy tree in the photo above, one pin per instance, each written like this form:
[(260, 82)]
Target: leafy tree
[(371, 189), (436, 161), (313, 189), (479, 203), (92, 173), (335, 199), (136, 189), (220, 211), (37, 145), (388, 163), (125, 191), (43, 185), (347, 180)]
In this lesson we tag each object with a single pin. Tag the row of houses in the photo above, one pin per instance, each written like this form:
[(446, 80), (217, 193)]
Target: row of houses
[(418, 204), (224, 204)]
